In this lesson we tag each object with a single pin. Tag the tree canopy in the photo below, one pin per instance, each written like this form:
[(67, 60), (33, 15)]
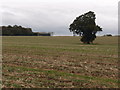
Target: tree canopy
[(85, 26), (16, 31)]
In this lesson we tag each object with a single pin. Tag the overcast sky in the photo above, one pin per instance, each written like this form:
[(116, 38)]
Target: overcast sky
[(56, 15)]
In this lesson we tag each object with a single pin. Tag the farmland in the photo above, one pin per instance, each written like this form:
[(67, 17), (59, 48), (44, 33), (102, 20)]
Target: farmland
[(59, 62)]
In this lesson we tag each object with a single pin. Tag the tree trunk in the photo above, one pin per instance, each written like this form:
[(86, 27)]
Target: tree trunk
[(88, 42)]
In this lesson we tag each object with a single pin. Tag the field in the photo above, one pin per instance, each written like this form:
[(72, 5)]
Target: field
[(59, 62)]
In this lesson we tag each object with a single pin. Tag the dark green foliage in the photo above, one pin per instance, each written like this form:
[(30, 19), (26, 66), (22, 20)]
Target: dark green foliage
[(108, 35), (86, 27), (16, 31)]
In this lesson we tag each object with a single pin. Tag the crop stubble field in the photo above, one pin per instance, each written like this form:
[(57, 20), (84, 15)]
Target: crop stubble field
[(59, 62)]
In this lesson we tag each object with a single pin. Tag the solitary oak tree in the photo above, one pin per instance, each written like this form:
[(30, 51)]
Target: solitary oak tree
[(86, 27)]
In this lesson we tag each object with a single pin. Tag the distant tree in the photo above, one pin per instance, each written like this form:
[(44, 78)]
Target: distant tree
[(108, 35), (9, 26), (15, 26), (16, 31), (86, 27)]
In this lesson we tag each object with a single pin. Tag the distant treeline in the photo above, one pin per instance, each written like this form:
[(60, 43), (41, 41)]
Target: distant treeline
[(21, 31), (16, 31)]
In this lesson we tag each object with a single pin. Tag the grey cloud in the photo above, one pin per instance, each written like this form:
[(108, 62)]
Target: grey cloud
[(57, 16), (119, 18)]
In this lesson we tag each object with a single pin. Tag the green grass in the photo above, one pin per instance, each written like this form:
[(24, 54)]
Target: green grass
[(55, 62)]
